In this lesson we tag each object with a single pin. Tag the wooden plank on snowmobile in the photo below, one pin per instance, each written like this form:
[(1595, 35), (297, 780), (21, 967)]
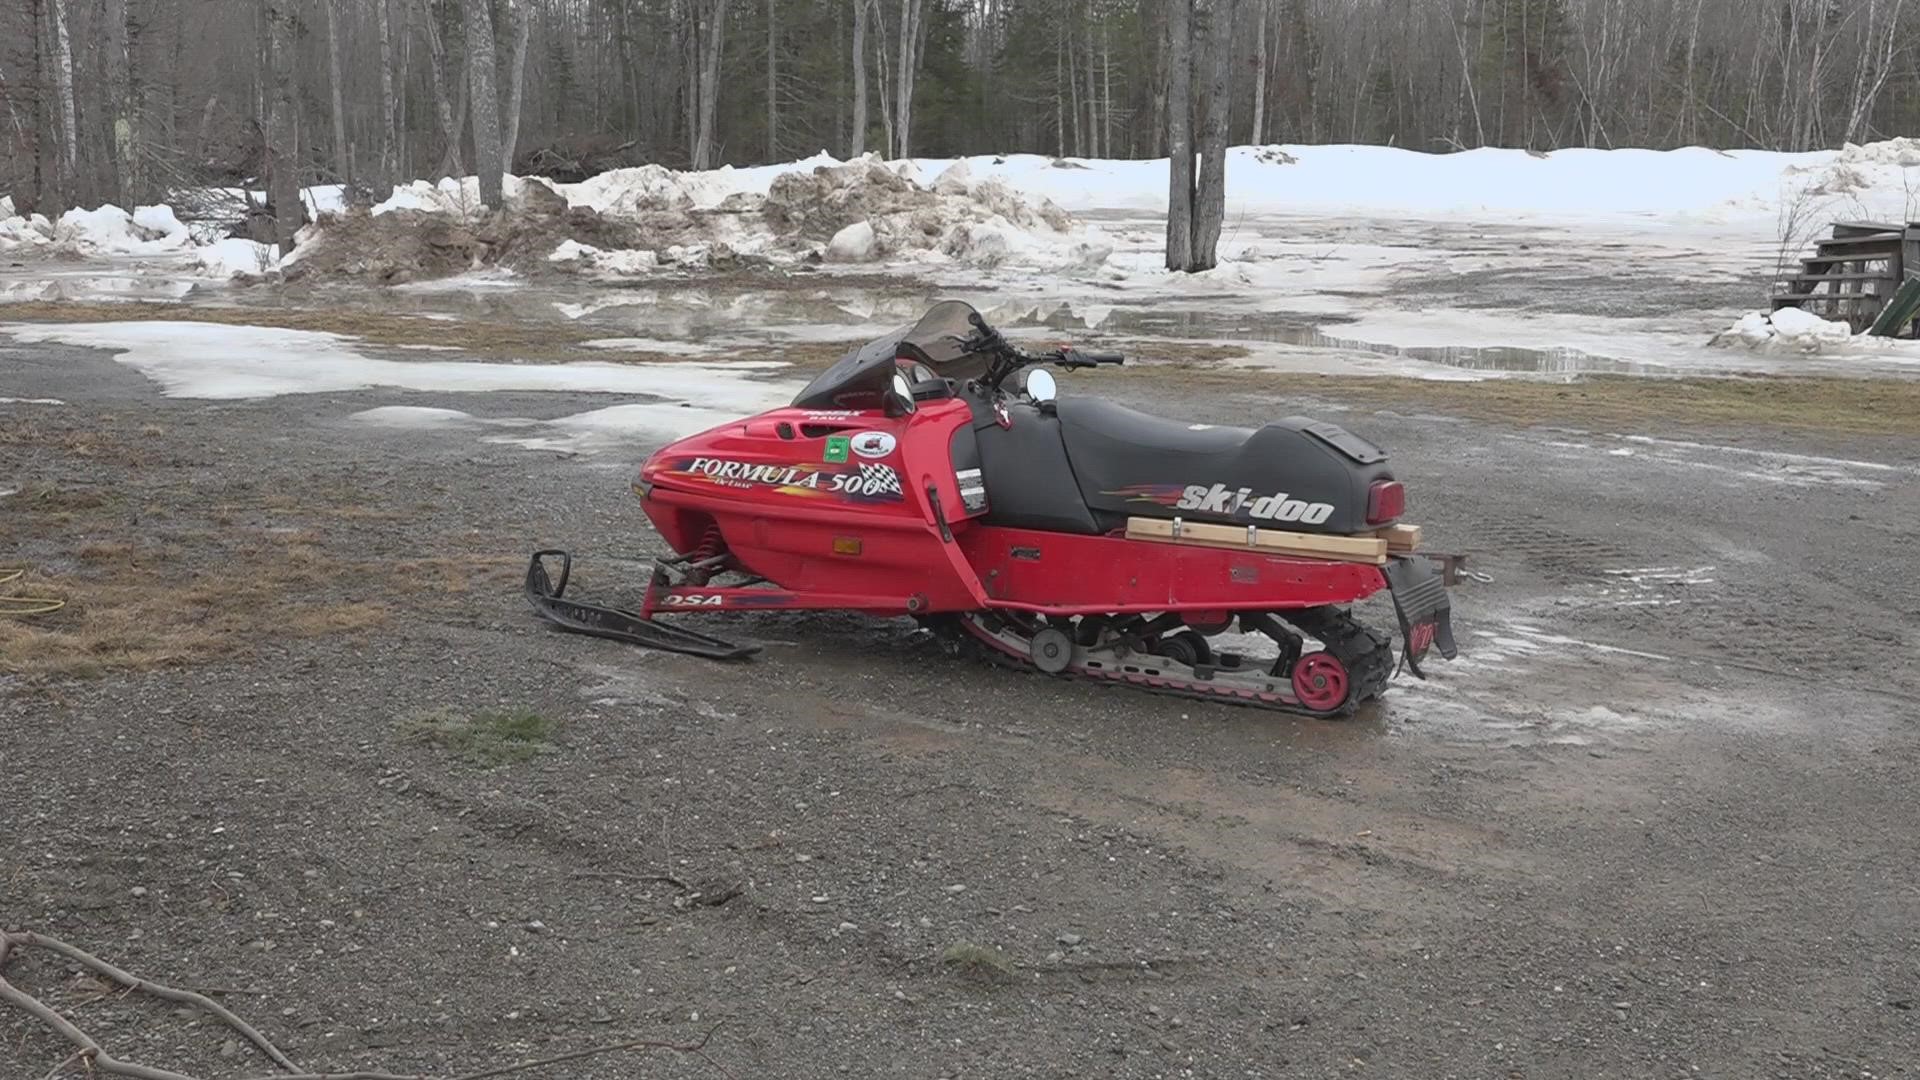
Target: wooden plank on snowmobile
[(1400, 538), (1363, 549)]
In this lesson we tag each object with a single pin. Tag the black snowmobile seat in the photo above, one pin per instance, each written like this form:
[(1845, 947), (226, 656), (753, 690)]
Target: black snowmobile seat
[(1293, 472), (1102, 427)]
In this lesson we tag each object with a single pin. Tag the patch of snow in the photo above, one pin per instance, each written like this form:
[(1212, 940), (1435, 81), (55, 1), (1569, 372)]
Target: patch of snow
[(30, 401), (109, 230), (855, 243), (220, 362), (225, 258), (606, 262), (671, 348), (411, 416)]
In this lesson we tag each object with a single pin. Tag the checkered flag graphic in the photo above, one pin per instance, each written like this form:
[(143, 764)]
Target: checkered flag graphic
[(879, 480)]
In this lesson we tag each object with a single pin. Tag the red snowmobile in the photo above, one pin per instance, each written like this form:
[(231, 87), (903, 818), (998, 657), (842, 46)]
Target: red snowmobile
[(934, 472)]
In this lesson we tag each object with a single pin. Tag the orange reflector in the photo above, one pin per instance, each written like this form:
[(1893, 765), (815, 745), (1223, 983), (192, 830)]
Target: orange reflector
[(846, 545)]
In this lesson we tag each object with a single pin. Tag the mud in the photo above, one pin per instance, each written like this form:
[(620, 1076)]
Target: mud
[(1619, 837)]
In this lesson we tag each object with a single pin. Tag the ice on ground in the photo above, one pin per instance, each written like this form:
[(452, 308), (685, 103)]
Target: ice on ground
[(220, 362)]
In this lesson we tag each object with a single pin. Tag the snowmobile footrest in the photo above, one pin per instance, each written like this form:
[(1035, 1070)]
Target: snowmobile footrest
[(548, 599)]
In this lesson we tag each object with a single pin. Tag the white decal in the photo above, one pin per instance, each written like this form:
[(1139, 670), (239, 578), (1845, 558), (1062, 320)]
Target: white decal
[(685, 600), (873, 444), (1230, 502), (870, 480)]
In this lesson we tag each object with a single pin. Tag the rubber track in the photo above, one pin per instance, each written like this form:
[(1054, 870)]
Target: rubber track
[(1367, 675)]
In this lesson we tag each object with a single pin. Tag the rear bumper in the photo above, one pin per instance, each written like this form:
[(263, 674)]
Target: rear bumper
[(1425, 610)]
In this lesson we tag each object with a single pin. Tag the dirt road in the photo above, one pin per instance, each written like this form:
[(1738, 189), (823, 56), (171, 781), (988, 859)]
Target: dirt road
[(1658, 821)]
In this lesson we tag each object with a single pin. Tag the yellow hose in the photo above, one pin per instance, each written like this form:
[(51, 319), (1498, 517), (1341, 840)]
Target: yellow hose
[(25, 605)]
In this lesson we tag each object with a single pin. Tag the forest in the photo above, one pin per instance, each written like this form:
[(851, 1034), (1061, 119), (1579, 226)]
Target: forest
[(124, 100)]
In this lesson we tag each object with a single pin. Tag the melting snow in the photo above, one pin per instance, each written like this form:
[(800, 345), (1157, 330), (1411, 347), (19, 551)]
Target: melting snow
[(207, 360)]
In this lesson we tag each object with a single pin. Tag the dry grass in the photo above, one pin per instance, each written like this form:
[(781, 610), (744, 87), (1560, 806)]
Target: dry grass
[(1814, 404), (180, 578)]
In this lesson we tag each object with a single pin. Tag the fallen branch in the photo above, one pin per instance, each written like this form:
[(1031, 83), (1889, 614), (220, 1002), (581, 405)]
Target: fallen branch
[(96, 1059), (159, 990)]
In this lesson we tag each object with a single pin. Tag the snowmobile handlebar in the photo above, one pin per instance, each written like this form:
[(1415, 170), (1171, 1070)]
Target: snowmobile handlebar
[(1009, 358)]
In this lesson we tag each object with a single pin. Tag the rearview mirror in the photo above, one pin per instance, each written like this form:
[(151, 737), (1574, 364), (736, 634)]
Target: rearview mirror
[(1040, 386), (900, 396)]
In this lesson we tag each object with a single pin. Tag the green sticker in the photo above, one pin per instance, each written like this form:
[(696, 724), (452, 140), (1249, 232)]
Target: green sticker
[(837, 446)]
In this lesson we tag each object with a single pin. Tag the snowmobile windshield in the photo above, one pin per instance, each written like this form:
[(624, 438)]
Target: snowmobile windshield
[(861, 378), (938, 337)]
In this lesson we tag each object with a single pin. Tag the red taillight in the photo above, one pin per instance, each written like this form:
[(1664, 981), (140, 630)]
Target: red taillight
[(1386, 500)]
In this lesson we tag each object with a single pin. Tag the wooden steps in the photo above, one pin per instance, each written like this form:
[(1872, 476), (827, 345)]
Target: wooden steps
[(1861, 264)]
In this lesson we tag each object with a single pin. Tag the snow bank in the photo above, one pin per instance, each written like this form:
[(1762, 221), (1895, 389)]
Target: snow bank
[(17, 232), (1790, 330), (635, 220)]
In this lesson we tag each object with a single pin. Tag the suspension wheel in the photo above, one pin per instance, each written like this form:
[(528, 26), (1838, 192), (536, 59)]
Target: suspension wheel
[(1185, 647), (1320, 681)]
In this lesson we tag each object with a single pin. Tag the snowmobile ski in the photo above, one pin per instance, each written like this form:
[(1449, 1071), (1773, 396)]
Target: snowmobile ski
[(577, 616)]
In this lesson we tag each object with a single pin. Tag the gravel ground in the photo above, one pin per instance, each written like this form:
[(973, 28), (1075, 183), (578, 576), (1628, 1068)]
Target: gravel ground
[(1656, 822)]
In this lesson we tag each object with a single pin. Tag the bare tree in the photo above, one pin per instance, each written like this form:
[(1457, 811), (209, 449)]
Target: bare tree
[(1260, 10), (911, 41), (710, 42), (1180, 135), (63, 86), (516, 81), (282, 154), (482, 101), (453, 120), (389, 105), (773, 88), (857, 140), (342, 157), (1210, 202)]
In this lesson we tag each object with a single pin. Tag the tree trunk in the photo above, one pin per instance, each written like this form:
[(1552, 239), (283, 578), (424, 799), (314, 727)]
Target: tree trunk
[(389, 119), (483, 102), (63, 86), (886, 93), (342, 160), (516, 81), (1072, 75), (452, 120), (1260, 72), (710, 45), (857, 139), (910, 11), (1210, 205), (120, 110), (773, 83), (1180, 135), (1093, 100), (282, 156)]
